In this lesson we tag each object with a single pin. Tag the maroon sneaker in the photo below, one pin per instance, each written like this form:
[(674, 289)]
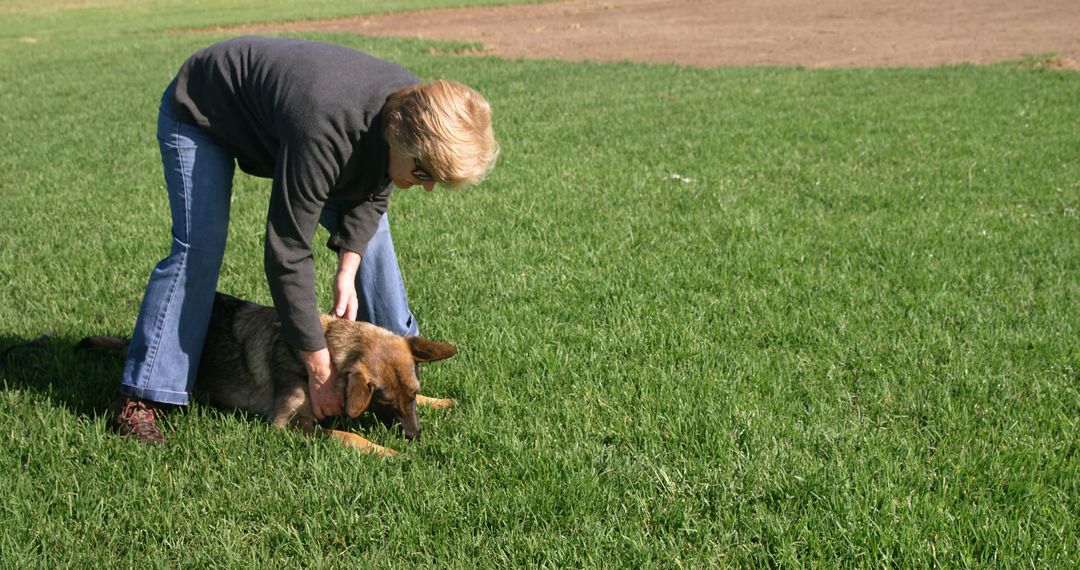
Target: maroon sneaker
[(132, 417)]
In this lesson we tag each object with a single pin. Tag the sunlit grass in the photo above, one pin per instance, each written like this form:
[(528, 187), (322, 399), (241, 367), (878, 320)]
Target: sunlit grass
[(843, 335)]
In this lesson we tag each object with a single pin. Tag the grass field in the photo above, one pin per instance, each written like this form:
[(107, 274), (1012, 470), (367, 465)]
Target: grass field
[(845, 334)]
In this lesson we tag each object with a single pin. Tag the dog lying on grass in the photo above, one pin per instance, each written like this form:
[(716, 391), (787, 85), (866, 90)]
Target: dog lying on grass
[(247, 365)]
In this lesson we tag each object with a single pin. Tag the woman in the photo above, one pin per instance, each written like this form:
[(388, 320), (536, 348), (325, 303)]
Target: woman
[(336, 130)]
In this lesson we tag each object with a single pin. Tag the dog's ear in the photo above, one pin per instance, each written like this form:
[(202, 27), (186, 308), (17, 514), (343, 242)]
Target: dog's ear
[(424, 350), (325, 320), (357, 391)]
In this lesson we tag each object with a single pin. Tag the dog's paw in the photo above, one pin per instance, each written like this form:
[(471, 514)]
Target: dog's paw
[(384, 451), (435, 403), (361, 444)]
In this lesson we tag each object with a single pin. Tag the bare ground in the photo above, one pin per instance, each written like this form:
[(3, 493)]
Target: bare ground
[(709, 33)]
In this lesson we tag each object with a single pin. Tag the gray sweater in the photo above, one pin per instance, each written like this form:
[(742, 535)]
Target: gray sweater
[(307, 115)]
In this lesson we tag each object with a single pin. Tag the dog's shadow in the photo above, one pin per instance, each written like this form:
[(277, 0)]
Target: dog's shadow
[(86, 381)]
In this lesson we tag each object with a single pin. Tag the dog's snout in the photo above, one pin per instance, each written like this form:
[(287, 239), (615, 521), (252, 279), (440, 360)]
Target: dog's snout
[(413, 435)]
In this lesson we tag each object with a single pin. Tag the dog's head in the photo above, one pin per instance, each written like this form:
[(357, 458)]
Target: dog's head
[(379, 368)]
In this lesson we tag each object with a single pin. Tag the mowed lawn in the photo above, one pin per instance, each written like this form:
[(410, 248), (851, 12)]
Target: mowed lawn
[(749, 317)]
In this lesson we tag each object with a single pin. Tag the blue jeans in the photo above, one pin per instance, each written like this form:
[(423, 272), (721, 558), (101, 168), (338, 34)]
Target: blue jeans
[(166, 344)]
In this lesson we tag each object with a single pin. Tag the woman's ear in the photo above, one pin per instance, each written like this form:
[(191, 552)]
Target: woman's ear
[(357, 391)]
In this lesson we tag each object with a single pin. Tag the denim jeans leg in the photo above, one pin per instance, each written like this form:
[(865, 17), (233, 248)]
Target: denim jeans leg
[(379, 286), (166, 345)]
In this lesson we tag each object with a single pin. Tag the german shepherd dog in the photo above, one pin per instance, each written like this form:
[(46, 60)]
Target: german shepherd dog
[(247, 365)]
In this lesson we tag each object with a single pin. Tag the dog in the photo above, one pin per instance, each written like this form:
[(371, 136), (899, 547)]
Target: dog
[(247, 365)]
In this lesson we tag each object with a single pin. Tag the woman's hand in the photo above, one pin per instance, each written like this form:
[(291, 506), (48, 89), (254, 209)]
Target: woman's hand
[(327, 399), (346, 303)]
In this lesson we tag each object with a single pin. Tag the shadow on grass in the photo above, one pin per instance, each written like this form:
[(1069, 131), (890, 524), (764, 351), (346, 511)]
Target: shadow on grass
[(84, 382)]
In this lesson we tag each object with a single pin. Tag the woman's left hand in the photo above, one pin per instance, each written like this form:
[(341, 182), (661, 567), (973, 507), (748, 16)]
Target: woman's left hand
[(346, 303)]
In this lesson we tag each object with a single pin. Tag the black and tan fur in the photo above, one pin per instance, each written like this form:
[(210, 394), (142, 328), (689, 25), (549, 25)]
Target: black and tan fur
[(247, 365)]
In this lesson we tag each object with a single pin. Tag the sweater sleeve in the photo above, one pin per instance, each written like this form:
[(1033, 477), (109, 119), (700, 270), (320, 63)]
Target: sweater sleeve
[(301, 183), (359, 221)]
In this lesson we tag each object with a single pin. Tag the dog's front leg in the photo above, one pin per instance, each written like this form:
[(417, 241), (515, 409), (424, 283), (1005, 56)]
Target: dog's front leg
[(349, 439), (293, 410), (307, 425)]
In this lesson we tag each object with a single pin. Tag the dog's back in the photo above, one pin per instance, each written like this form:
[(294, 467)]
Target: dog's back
[(245, 362)]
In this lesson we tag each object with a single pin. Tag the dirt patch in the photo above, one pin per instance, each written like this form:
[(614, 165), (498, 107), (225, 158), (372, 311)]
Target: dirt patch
[(709, 33)]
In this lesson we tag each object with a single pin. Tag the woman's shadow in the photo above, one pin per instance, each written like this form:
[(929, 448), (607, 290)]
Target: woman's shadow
[(49, 367)]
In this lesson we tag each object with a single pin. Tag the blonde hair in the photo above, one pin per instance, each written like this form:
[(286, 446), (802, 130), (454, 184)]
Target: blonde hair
[(447, 126)]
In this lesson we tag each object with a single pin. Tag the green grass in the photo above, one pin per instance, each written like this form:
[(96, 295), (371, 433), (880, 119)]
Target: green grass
[(850, 340)]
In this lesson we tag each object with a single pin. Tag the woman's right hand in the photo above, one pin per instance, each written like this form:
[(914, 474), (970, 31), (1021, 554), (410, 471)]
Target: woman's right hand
[(327, 399)]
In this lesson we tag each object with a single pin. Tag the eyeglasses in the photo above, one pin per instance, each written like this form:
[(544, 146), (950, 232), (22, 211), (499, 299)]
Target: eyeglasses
[(419, 172)]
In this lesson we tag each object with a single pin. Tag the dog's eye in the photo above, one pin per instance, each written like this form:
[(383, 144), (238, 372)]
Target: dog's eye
[(380, 396)]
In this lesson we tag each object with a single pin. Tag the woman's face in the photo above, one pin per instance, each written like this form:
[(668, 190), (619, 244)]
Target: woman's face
[(401, 170)]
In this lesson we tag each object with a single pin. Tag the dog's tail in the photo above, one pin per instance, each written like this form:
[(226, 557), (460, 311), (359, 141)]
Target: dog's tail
[(110, 345)]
